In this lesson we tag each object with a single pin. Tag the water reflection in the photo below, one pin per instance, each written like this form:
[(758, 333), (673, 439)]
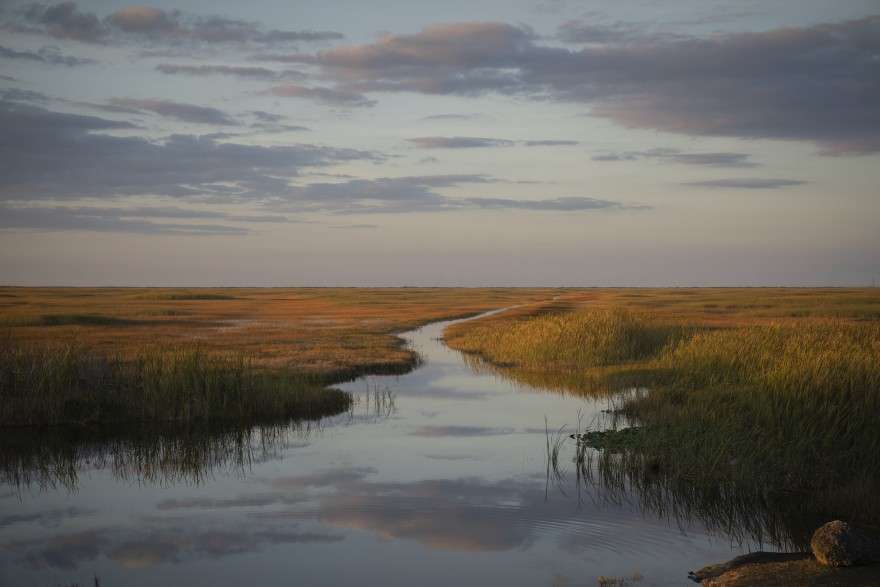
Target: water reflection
[(433, 476), (753, 513), (162, 455)]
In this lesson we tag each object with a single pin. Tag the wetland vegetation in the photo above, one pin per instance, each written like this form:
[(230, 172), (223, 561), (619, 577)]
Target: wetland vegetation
[(728, 413), (77, 356), (774, 389)]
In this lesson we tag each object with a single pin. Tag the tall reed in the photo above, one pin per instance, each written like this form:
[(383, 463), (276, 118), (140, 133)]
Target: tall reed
[(65, 384), (793, 404)]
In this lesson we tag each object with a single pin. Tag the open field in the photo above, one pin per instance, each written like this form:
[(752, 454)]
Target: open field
[(111, 354), (781, 386)]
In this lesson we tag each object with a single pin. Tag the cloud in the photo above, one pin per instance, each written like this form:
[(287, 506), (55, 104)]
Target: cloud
[(746, 183), (64, 20), (717, 159), (818, 83), (138, 220), (452, 117), (458, 142), (145, 20), (270, 122), (48, 155), (580, 32), (566, 204), (176, 110), (323, 95), (19, 95), (248, 72), (63, 219), (550, 143), (479, 142), (409, 194), (48, 55)]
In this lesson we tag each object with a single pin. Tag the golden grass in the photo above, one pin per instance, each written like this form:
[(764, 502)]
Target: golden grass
[(783, 389), (331, 332), (99, 356)]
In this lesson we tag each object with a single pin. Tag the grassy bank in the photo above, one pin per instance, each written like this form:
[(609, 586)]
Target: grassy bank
[(787, 401), (66, 384), (109, 355)]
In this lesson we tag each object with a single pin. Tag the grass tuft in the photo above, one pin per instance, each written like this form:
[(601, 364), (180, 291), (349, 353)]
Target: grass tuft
[(792, 404), (65, 384)]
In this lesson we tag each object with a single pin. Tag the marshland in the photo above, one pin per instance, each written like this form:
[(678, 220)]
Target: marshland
[(606, 434)]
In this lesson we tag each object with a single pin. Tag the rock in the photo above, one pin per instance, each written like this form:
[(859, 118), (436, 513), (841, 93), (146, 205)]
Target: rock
[(837, 544), (711, 572)]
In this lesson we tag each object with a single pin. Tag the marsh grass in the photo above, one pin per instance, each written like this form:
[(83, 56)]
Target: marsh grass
[(65, 384), (793, 404), (69, 320)]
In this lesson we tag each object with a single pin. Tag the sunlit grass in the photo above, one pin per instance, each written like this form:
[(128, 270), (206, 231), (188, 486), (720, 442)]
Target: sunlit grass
[(99, 355), (64, 384), (790, 401)]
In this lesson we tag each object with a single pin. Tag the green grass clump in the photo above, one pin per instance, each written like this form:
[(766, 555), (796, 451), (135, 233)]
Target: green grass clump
[(66, 385)]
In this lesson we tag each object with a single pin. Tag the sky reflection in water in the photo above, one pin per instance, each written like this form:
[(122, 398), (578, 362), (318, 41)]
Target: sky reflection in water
[(443, 478)]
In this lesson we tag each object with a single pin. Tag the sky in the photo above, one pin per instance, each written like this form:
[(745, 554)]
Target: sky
[(401, 142)]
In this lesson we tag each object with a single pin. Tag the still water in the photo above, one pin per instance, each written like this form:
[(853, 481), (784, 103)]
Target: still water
[(437, 477)]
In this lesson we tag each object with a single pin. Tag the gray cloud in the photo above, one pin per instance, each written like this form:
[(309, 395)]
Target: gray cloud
[(395, 195), (49, 155), (479, 142), (458, 142), (746, 183), (550, 143), (452, 117), (48, 55), (580, 32), (270, 122), (248, 72), (717, 159), (330, 96), (19, 95), (817, 83), (64, 20), (176, 110), (565, 204), (62, 219)]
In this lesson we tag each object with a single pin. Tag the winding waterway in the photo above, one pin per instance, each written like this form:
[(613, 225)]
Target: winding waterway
[(437, 477)]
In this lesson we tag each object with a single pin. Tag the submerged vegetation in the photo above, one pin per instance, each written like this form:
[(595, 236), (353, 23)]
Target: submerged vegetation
[(790, 402)]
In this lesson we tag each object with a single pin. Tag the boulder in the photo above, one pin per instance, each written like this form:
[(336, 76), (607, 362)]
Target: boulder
[(837, 544)]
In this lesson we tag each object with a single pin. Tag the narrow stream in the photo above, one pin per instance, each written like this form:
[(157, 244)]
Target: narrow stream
[(437, 477)]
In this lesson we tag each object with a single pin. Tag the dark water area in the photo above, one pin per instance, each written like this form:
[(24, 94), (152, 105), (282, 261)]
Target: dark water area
[(436, 477)]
